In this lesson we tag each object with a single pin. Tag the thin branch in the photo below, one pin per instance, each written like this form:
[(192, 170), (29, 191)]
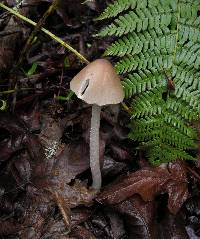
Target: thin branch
[(37, 28), (54, 37)]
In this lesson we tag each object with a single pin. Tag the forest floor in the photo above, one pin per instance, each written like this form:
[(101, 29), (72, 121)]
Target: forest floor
[(45, 180)]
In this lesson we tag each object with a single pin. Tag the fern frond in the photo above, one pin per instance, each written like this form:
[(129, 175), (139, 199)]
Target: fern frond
[(185, 76), (141, 42), (142, 81), (149, 60), (149, 123), (189, 55), (149, 103), (119, 6), (180, 107), (163, 153), (159, 46), (188, 9), (138, 21), (189, 95), (179, 124), (188, 33), (165, 134)]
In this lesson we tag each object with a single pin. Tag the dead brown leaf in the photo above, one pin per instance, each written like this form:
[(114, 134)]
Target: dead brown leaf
[(150, 182), (139, 217)]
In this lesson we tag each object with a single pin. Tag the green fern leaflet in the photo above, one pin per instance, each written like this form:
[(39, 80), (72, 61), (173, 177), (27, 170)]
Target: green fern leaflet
[(157, 44)]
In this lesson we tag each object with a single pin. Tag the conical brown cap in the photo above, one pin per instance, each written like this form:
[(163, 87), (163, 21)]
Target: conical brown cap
[(98, 83)]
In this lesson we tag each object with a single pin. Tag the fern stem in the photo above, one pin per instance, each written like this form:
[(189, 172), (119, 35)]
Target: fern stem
[(39, 25), (126, 108)]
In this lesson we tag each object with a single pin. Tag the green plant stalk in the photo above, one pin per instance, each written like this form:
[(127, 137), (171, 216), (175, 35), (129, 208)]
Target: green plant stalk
[(54, 37), (3, 105), (15, 90)]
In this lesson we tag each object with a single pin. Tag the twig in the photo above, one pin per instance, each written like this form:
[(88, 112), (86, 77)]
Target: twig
[(60, 84), (126, 108), (194, 174), (37, 28), (54, 37), (60, 203)]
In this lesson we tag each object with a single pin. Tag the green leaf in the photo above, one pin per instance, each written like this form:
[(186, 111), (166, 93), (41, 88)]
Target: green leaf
[(157, 49), (65, 98), (32, 70), (3, 105)]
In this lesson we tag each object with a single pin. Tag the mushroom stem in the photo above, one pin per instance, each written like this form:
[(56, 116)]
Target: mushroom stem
[(94, 147)]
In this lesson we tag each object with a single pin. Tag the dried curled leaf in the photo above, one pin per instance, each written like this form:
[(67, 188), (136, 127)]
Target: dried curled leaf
[(150, 182), (139, 217), (172, 226)]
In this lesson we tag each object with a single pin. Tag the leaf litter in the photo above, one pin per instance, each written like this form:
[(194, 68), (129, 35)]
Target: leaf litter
[(44, 160)]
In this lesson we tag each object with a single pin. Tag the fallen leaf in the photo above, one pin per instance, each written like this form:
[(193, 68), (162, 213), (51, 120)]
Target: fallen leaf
[(9, 227), (81, 232), (117, 227), (172, 226), (120, 153), (80, 215), (111, 168), (150, 182), (192, 216), (139, 217)]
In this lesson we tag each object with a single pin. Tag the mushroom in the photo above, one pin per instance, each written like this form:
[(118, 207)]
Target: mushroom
[(97, 84)]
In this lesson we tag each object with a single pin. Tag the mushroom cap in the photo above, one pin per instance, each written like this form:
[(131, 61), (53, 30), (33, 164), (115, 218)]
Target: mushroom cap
[(98, 83)]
